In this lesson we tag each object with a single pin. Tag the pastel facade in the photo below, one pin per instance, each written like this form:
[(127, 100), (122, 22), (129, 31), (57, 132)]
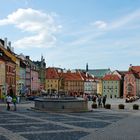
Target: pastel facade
[(10, 65), (11, 75), (22, 80), (132, 82), (111, 86), (2, 78), (28, 80), (17, 75), (121, 75), (52, 80), (34, 81), (89, 83), (73, 83), (99, 86), (130, 86), (42, 69)]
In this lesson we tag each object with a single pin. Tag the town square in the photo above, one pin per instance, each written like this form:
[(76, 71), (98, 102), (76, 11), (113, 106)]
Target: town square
[(103, 124), (70, 70)]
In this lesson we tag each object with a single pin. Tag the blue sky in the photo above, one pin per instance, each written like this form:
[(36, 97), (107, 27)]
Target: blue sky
[(71, 33)]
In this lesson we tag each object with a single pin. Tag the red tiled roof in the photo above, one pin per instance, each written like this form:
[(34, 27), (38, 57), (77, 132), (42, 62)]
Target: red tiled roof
[(135, 68), (137, 75), (52, 73), (111, 77), (72, 76)]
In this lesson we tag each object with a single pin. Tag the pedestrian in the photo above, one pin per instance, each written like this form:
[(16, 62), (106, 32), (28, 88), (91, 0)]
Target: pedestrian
[(99, 101), (14, 100), (94, 98), (11, 91), (8, 101), (104, 100)]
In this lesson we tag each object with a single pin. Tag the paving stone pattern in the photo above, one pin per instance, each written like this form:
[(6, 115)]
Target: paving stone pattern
[(34, 125), (56, 136), (3, 138)]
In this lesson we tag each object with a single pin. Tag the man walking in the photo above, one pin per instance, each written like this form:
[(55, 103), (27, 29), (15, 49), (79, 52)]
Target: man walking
[(104, 100), (8, 101)]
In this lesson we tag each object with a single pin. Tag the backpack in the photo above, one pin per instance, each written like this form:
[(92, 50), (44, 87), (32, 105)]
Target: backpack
[(14, 100)]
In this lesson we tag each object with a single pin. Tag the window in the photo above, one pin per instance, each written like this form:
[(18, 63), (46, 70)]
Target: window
[(129, 88)]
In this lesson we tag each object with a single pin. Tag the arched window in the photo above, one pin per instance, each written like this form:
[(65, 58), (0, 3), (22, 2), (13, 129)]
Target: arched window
[(130, 89)]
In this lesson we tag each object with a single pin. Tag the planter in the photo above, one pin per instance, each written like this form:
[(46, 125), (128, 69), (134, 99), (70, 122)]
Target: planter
[(121, 106), (94, 105), (135, 107), (108, 106)]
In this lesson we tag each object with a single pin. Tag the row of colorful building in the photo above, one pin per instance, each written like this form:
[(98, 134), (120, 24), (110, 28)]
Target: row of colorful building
[(28, 77), (19, 72), (114, 84)]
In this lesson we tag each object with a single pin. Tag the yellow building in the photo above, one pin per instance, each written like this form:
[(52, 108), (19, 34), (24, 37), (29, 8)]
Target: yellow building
[(52, 80), (99, 86)]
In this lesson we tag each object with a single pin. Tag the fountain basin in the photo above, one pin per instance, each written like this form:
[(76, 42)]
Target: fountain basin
[(61, 104)]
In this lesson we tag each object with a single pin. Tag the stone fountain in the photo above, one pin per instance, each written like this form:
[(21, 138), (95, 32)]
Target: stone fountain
[(61, 104)]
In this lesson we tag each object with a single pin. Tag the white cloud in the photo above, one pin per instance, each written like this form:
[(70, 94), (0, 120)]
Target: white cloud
[(130, 18), (100, 24), (36, 22), (101, 29)]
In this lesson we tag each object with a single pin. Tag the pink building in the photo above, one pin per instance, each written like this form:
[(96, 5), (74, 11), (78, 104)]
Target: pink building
[(132, 82), (34, 81)]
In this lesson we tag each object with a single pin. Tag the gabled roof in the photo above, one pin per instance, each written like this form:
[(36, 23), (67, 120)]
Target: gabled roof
[(99, 73), (135, 68), (136, 75), (5, 57), (52, 73), (86, 76), (72, 76), (122, 73), (111, 77)]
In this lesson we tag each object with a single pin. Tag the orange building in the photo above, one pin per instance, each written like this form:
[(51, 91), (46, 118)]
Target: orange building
[(73, 83)]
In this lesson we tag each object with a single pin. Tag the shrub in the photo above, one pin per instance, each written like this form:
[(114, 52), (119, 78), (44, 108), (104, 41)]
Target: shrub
[(121, 106), (108, 106), (94, 105), (136, 107)]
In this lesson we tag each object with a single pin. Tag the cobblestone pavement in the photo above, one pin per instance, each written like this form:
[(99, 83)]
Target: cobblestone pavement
[(99, 124)]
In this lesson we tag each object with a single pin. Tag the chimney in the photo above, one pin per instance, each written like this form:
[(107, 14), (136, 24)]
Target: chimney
[(5, 42), (9, 44), (27, 57)]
